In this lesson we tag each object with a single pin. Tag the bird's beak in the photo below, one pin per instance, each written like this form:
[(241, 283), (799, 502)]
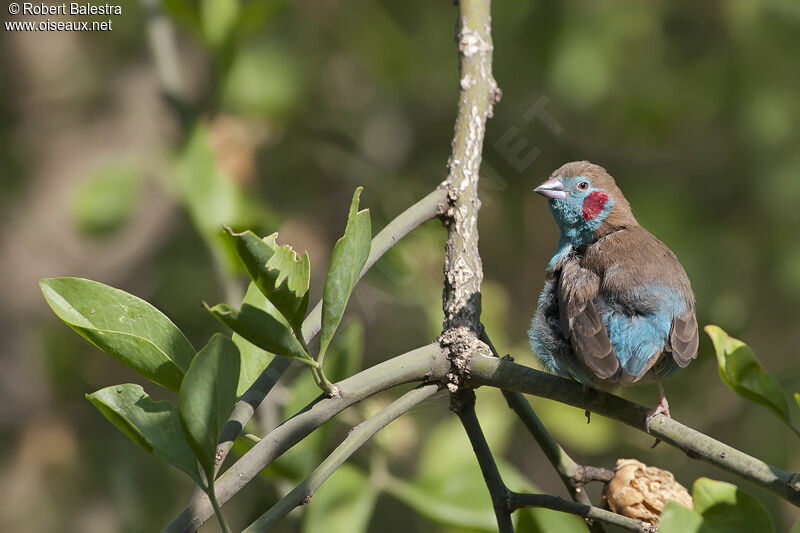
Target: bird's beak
[(552, 188)]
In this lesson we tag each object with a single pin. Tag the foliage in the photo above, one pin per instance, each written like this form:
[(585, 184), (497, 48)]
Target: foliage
[(718, 507), (741, 371)]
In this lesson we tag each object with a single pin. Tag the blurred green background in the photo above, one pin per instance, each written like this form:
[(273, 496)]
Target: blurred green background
[(283, 109)]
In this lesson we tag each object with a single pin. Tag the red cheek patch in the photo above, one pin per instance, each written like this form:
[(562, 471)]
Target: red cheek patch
[(593, 204)]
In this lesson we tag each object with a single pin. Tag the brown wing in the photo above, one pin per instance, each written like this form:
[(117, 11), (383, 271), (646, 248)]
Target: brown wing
[(582, 324), (684, 338)]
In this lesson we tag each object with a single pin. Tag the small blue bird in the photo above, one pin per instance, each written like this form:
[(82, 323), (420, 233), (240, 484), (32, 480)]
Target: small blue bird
[(617, 306)]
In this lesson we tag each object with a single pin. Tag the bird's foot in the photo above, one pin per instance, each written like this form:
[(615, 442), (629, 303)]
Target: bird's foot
[(588, 414), (661, 409)]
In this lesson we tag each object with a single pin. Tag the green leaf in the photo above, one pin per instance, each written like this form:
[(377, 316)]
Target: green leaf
[(207, 396), (345, 502), (349, 255), (678, 519), (277, 271), (253, 359), (725, 507), (262, 329), (219, 19), (155, 426), (122, 325), (105, 201), (797, 398), (719, 507), (741, 371)]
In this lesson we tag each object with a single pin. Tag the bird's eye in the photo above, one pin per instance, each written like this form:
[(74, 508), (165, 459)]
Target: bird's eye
[(583, 185)]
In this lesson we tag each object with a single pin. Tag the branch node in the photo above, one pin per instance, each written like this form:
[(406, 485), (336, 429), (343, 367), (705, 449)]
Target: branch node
[(461, 345)]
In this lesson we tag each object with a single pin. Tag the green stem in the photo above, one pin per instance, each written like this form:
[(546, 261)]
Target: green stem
[(354, 440), (252, 438), (217, 510)]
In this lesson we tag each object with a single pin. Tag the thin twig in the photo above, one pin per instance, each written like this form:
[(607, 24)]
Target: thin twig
[(418, 365), (463, 404), (511, 376), (517, 501), (571, 473), (357, 437)]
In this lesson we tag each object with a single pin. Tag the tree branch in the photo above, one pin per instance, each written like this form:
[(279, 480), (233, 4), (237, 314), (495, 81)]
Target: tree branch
[(463, 404), (573, 475), (511, 376), (463, 271), (517, 501), (418, 365), (357, 437)]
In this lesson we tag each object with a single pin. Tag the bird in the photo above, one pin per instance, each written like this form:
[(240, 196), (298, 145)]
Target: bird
[(617, 307)]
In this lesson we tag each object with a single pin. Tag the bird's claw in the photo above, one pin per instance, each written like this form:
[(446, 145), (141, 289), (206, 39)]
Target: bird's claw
[(661, 409)]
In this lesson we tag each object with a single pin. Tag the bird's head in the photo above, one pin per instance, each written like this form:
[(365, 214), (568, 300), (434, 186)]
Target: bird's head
[(585, 202)]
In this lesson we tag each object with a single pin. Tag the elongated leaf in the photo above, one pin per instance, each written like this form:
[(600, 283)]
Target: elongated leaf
[(207, 396), (741, 371), (254, 359), (122, 325), (348, 258), (277, 271), (155, 426), (262, 329)]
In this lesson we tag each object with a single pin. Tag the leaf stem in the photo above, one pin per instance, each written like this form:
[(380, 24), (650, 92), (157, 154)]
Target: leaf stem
[(217, 511)]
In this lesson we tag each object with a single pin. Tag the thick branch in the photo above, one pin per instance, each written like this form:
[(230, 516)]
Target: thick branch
[(517, 501), (418, 365), (510, 376), (462, 268), (463, 404), (357, 437)]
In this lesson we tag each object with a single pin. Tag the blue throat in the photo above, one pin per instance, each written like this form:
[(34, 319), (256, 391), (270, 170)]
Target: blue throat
[(575, 230)]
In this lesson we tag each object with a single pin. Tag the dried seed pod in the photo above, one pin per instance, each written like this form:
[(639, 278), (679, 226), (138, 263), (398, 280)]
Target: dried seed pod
[(640, 491)]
